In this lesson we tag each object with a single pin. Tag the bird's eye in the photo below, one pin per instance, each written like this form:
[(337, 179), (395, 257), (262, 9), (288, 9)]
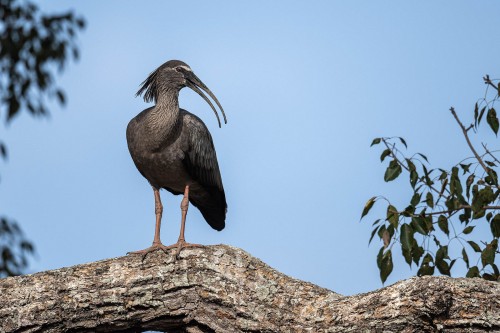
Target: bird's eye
[(182, 69)]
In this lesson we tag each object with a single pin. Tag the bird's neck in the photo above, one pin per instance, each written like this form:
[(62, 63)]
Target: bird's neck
[(164, 117)]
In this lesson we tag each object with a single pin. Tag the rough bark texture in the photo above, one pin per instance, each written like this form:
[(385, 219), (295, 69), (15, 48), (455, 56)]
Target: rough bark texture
[(224, 289)]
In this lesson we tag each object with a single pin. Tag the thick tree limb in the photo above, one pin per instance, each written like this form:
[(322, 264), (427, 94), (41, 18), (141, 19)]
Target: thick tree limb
[(224, 289)]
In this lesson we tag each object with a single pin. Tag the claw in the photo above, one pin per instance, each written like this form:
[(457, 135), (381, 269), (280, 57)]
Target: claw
[(180, 245), (155, 247)]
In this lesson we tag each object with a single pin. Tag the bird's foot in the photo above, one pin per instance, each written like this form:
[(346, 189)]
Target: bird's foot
[(181, 243), (152, 248), (159, 246)]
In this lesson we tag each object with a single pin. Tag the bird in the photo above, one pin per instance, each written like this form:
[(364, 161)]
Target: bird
[(173, 149)]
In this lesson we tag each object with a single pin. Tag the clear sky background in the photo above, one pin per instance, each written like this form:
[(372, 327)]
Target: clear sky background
[(306, 86)]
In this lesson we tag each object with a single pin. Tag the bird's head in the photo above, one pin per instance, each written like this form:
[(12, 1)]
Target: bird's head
[(175, 75)]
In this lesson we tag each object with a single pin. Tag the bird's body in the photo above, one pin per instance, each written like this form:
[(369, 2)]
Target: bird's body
[(173, 149)]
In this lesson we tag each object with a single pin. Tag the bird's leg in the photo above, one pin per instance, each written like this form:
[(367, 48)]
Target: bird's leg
[(158, 213), (181, 242), (184, 210), (157, 245)]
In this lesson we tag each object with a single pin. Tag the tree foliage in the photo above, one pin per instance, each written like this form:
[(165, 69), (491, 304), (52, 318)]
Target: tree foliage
[(446, 205), (32, 46)]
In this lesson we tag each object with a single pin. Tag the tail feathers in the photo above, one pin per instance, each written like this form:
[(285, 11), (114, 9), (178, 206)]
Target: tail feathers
[(214, 217), (213, 207)]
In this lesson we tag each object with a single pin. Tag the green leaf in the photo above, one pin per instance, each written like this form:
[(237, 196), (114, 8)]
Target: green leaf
[(481, 115), (442, 253), (495, 226), (443, 224), (476, 113), (489, 216), (465, 216), (368, 206), (468, 230), (384, 262), (492, 120), (413, 173), (407, 255), (386, 237), (425, 270), (490, 163), (424, 157), (429, 199), (415, 199), (480, 199), (61, 97), (381, 231), (441, 264), (385, 153), (374, 231), (427, 174), (393, 171), (474, 246), (3, 150), (411, 166), (392, 215), (495, 269), (472, 272), (428, 259), (491, 178), (465, 167), (488, 255), (429, 226), (418, 224), (413, 178), (417, 253), (489, 277), (452, 263), (403, 142), (425, 267), (469, 182), (455, 185), (406, 236), (409, 211), (465, 257), (434, 238), (452, 203), (375, 141)]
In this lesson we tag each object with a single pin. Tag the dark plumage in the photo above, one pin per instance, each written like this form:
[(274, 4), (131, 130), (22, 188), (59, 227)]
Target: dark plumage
[(173, 149)]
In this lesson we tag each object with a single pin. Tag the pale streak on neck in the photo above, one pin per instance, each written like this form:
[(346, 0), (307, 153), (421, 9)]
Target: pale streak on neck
[(164, 116)]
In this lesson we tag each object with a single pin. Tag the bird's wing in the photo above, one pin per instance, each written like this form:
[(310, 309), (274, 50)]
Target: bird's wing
[(201, 159)]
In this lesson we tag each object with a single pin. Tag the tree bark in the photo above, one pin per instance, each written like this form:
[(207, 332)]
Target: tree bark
[(224, 289)]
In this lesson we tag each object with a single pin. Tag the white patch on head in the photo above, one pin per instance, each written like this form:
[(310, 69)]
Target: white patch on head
[(185, 67)]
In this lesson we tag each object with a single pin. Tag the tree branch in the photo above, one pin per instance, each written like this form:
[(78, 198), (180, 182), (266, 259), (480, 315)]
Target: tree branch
[(464, 130), (224, 289), (448, 211), (490, 153), (488, 81)]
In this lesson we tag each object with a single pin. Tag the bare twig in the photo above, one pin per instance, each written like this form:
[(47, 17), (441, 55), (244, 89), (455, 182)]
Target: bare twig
[(488, 81), (464, 130), (489, 153)]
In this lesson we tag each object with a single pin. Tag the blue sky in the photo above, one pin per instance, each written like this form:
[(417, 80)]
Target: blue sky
[(306, 86)]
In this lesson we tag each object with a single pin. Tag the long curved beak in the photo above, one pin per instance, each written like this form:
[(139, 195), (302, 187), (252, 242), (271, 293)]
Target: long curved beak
[(193, 82)]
